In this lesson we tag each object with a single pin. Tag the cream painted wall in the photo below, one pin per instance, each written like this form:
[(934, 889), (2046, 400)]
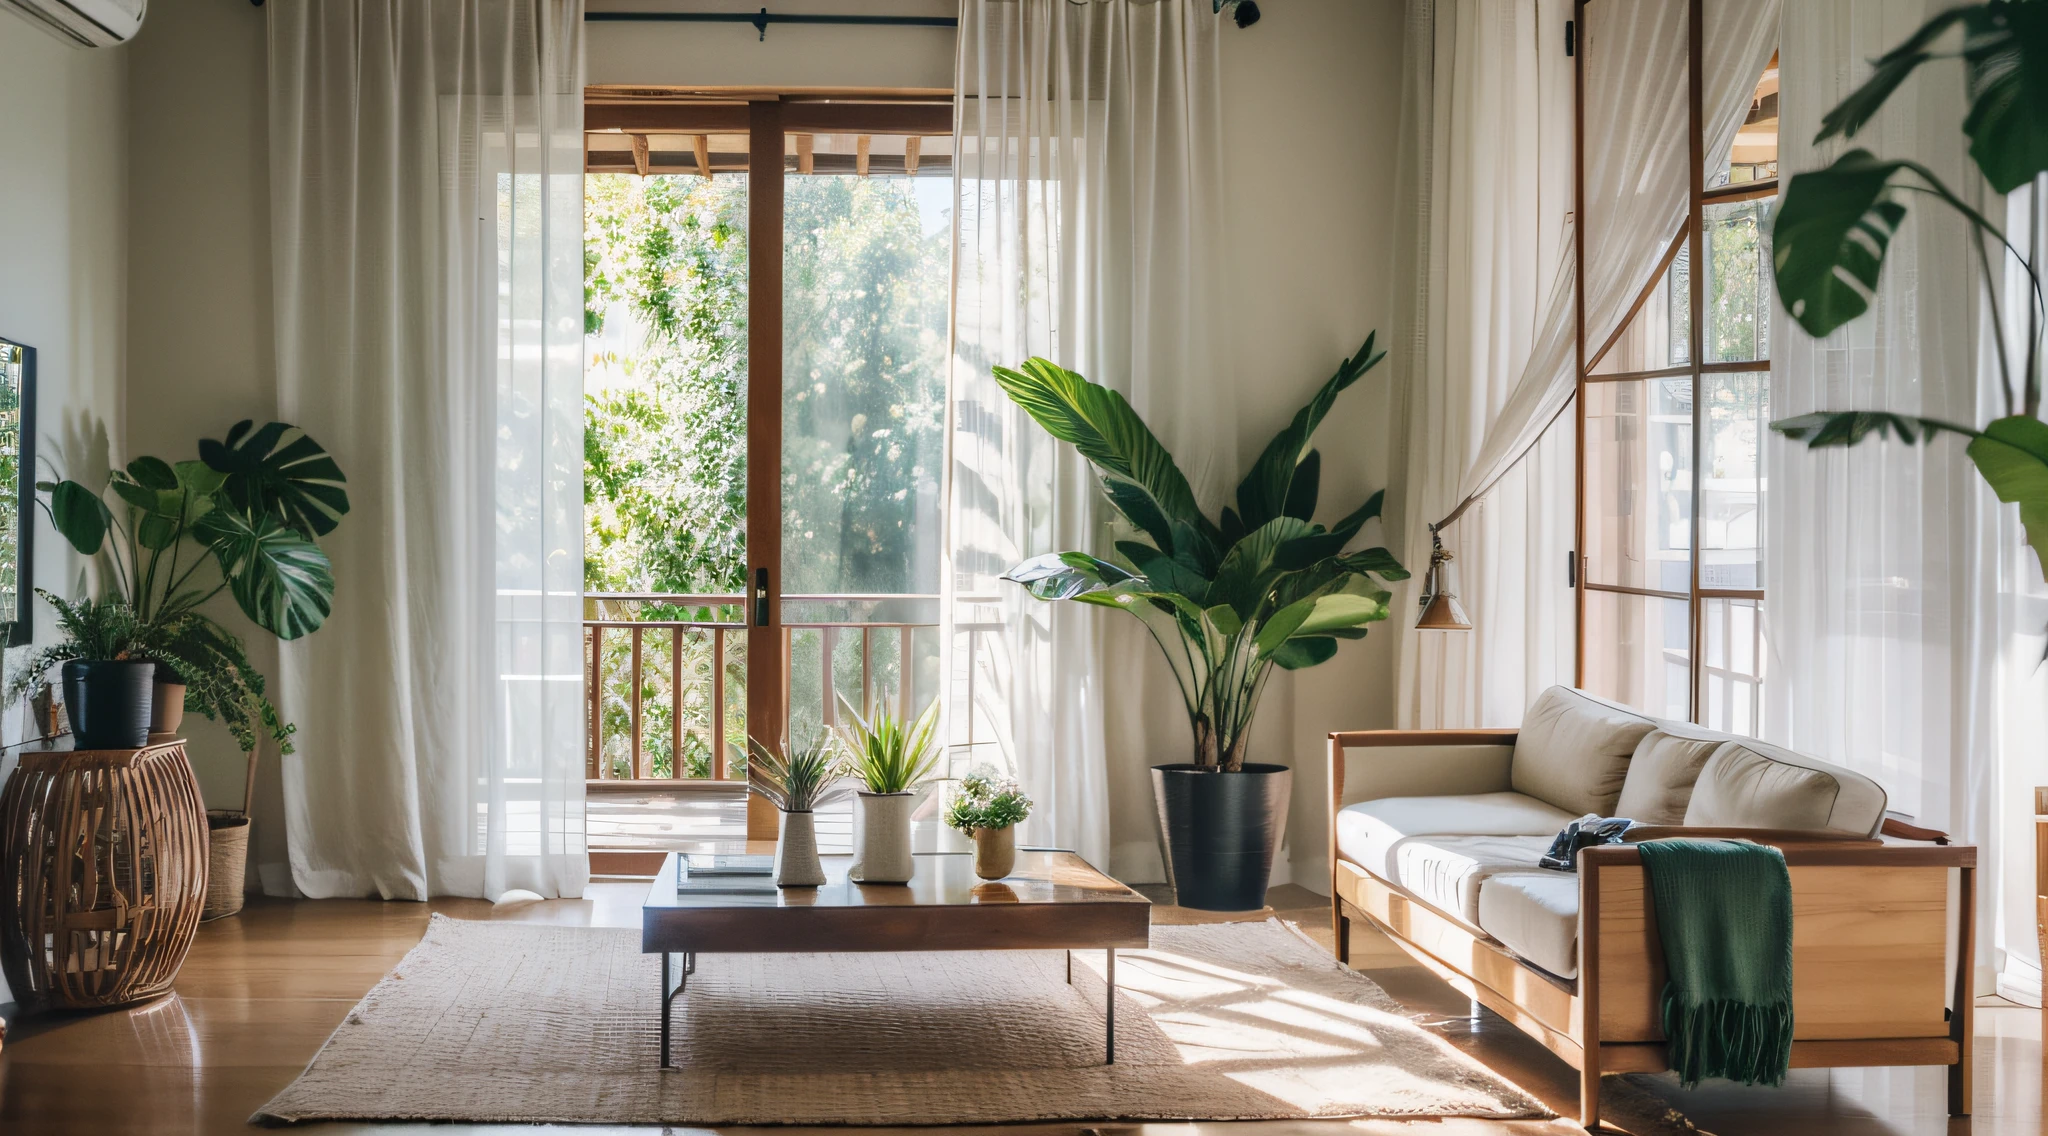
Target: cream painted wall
[(199, 316), (63, 240)]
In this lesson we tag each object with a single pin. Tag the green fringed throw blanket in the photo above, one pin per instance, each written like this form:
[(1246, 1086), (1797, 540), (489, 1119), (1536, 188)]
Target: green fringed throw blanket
[(1724, 912)]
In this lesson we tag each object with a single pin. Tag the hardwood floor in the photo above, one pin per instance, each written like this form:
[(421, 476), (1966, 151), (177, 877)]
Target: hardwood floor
[(261, 991)]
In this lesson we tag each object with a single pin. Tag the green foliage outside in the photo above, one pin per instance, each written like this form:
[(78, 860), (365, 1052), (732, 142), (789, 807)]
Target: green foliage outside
[(665, 430)]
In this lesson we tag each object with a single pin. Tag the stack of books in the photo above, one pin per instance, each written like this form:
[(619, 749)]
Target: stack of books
[(712, 874)]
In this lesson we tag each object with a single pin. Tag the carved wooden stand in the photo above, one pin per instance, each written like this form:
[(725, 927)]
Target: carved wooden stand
[(102, 874)]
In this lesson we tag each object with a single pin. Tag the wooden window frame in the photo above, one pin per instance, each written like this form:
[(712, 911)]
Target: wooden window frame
[(1692, 239)]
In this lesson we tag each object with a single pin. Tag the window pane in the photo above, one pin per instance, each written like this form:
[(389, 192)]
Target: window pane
[(1639, 483), (1636, 651), (1658, 336), (1733, 631), (1739, 298), (866, 256), (1732, 486), (1754, 156)]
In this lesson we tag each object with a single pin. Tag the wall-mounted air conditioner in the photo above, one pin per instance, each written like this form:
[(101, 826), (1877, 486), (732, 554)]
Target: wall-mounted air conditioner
[(83, 23)]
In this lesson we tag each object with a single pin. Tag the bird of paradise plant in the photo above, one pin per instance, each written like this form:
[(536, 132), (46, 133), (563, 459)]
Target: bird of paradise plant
[(1228, 599)]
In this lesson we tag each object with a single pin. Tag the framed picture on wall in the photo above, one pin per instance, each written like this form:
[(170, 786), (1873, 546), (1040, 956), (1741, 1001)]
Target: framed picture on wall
[(17, 491)]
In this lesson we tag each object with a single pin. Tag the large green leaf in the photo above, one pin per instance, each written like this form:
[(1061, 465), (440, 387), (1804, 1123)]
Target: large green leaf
[(2006, 51), (277, 575), (1830, 238), (1164, 571), (79, 515), (2012, 454), (279, 470), (1065, 575), (1247, 571), (1342, 610), (1825, 428), (2005, 55), (1099, 423), (1266, 492), (1300, 654)]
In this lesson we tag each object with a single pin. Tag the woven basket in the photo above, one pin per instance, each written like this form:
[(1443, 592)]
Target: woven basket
[(227, 858)]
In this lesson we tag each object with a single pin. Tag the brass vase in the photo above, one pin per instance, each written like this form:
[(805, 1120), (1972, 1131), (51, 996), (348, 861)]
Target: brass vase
[(995, 852)]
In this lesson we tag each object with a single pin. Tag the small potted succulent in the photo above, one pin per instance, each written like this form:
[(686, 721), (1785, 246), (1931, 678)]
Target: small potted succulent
[(987, 810), (891, 759), (796, 780)]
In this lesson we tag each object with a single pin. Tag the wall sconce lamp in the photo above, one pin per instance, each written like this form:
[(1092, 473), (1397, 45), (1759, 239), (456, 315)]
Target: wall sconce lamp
[(1440, 608)]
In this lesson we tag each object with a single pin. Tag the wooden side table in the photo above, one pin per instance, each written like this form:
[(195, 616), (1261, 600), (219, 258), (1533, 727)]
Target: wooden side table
[(102, 874)]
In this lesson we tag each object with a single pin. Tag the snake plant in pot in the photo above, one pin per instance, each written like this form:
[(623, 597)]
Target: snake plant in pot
[(1227, 600)]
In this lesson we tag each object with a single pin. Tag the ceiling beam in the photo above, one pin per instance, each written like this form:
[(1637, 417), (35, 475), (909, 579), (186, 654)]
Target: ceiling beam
[(701, 145)]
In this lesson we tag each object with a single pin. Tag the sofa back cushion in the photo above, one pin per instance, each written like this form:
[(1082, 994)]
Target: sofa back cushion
[(1573, 750), (1661, 775), (1751, 784)]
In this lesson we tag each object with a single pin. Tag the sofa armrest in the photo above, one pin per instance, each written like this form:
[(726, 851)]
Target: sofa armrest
[(1368, 764)]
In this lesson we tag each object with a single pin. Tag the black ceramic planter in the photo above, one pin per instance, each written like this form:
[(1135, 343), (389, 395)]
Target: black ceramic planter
[(108, 702), (1220, 832)]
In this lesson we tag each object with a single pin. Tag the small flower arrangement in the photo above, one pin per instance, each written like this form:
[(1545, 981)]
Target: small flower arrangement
[(987, 802)]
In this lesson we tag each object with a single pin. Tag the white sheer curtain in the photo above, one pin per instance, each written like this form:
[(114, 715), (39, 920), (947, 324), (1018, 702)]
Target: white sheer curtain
[(1904, 615), (1491, 339), (427, 198), (1087, 159)]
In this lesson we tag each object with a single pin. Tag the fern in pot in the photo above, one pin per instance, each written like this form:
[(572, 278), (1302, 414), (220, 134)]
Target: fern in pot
[(1227, 599)]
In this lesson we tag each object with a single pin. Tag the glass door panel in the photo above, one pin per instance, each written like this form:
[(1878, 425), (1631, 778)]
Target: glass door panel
[(1638, 651), (666, 270), (1639, 484)]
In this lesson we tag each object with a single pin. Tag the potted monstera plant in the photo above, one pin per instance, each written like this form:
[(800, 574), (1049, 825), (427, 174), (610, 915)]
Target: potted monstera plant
[(1227, 599), (245, 518)]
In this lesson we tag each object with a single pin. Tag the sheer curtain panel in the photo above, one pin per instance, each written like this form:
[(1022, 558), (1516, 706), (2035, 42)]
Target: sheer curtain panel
[(1088, 154), (1905, 613), (427, 223)]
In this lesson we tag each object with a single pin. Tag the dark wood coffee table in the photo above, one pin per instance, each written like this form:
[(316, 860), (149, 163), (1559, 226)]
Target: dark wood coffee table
[(1052, 901)]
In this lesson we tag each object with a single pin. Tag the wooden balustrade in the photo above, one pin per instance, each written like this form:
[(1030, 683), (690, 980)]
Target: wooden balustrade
[(721, 711)]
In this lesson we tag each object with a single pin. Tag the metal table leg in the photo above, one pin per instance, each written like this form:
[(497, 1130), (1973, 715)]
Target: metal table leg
[(1109, 1014), (668, 997)]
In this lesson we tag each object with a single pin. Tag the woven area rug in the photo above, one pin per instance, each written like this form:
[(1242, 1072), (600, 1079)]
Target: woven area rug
[(524, 1023)]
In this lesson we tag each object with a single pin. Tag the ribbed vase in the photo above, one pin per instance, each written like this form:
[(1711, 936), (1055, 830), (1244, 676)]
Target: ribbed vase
[(796, 852), (881, 838)]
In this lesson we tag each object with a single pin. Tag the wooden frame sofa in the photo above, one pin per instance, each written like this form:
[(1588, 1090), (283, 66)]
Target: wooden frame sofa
[(1434, 836)]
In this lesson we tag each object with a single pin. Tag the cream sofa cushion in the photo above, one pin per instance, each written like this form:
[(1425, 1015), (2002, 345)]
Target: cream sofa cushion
[(1750, 784), (1573, 751), (1368, 832), (1446, 872), (1662, 773), (1535, 915)]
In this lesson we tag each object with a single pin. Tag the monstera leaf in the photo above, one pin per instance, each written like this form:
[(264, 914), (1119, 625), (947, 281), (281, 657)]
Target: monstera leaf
[(279, 470), (277, 575), (2012, 454), (78, 514), (2005, 57)]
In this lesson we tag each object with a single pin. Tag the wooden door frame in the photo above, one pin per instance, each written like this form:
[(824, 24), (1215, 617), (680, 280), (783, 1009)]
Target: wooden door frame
[(767, 686)]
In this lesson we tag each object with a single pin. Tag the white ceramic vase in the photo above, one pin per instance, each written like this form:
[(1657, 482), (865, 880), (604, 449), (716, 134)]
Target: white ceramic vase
[(796, 852), (881, 838)]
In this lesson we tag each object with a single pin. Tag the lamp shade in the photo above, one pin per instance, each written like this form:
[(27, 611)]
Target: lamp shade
[(1443, 613), (1441, 610)]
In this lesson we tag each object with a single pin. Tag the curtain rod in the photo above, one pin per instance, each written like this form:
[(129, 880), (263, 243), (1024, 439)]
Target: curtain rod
[(760, 20)]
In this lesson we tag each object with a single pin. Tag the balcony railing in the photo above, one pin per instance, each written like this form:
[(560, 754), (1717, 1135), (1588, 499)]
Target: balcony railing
[(667, 674)]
